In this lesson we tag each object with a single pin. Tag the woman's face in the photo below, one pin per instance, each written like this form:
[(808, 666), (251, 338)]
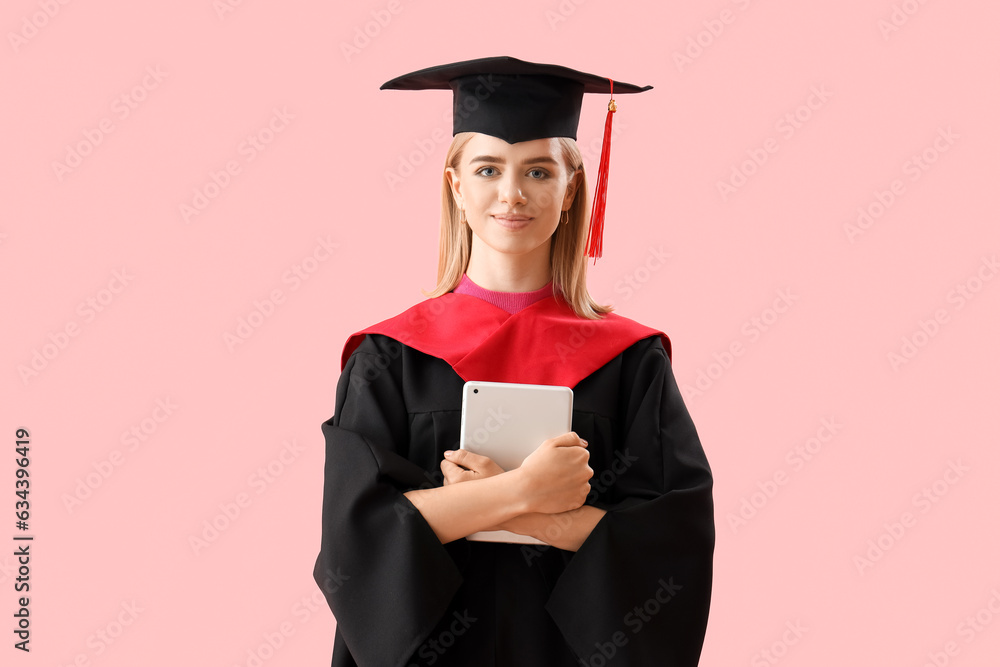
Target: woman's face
[(513, 194)]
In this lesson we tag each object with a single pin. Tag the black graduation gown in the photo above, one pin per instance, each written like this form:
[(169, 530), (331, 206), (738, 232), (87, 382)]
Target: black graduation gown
[(636, 593)]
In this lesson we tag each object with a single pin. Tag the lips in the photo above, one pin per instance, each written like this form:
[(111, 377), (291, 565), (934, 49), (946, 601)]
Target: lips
[(512, 221)]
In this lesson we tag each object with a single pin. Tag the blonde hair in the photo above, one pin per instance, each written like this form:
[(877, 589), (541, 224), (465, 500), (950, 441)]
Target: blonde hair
[(567, 251)]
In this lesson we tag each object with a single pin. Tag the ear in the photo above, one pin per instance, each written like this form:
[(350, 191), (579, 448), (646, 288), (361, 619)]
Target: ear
[(571, 187), (456, 185)]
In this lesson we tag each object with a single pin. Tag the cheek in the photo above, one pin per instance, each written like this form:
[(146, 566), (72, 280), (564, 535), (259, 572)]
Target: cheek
[(548, 195), (478, 197)]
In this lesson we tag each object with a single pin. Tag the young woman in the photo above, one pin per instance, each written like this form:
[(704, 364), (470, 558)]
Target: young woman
[(622, 502)]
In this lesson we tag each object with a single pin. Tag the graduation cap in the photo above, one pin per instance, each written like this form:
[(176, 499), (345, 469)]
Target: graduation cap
[(516, 100)]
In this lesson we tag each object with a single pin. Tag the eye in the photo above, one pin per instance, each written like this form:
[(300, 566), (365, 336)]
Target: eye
[(480, 171), (541, 173)]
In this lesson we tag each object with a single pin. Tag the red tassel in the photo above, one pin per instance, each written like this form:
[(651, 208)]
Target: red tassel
[(596, 233)]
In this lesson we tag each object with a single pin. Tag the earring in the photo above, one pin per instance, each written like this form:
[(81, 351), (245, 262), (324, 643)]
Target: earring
[(564, 217), (463, 220)]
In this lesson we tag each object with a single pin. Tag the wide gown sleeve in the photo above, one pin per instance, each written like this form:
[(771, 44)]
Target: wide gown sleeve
[(637, 591), (384, 572)]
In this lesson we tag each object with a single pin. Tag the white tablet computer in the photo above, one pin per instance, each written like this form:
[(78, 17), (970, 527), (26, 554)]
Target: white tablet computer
[(507, 421)]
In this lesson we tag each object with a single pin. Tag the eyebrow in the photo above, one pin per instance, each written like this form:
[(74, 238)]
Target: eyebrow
[(500, 160)]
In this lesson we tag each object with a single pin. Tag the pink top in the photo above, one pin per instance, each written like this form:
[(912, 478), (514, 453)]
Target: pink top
[(509, 301)]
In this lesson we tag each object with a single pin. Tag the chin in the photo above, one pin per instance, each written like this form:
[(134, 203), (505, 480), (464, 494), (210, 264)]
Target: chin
[(503, 242), (519, 248)]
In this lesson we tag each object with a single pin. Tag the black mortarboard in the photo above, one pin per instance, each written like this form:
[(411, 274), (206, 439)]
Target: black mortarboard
[(516, 100)]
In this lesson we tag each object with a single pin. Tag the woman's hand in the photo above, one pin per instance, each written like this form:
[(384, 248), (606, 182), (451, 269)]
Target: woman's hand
[(567, 530), (556, 476), (461, 465), (543, 498)]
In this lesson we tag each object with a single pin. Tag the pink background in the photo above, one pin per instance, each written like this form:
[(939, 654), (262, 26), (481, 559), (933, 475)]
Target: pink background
[(169, 291)]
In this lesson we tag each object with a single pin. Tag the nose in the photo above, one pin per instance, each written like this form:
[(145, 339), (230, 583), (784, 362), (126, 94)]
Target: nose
[(510, 190)]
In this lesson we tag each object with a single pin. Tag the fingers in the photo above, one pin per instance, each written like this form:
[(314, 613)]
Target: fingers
[(476, 463), (462, 465), (452, 473), (570, 439), (466, 459)]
